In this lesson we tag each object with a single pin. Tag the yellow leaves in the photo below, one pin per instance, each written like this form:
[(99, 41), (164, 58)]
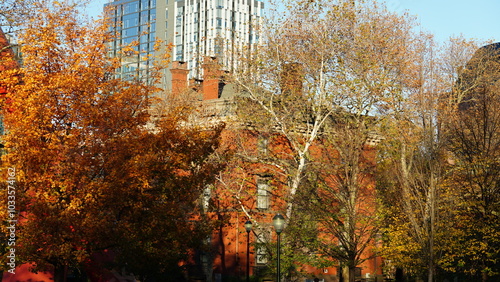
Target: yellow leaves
[(130, 50), (75, 205)]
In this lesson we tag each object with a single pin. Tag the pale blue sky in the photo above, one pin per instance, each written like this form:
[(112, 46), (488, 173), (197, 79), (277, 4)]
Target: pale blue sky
[(479, 19)]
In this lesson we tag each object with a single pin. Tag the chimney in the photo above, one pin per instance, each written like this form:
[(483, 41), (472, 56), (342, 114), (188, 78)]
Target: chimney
[(211, 78), (179, 77), (291, 78)]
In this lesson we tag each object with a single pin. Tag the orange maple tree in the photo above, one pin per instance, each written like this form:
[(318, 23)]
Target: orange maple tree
[(96, 171)]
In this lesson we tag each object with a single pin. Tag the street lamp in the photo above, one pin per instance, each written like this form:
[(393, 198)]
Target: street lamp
[(278, 223), (248, 228)]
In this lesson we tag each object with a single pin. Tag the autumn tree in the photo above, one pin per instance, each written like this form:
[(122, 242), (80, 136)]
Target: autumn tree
[(428, 221), (7, 62), (322, 70), (473, 136), (14, 12), (412, 167), (107, 178)]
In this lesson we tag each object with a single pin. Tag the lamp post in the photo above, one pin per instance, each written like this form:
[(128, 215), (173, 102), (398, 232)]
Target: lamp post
[(248, 228), (278, 223)]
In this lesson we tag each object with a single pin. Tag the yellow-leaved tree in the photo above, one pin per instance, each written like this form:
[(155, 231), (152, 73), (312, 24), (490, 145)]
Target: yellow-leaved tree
[(473, 135)]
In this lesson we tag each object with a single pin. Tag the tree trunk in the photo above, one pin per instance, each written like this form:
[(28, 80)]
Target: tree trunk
[(432, 227), (484, 277), (348, 274), (60, 273), (430, 277), (399, 275), (222, 245)]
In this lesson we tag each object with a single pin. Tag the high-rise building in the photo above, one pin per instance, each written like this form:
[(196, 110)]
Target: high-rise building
[(195, 28)]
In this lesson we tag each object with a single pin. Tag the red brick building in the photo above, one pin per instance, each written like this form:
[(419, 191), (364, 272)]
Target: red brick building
[(252, 189)]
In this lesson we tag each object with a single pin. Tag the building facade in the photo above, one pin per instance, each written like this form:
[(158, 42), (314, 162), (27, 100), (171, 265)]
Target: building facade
[(255, 191), (194, 28)]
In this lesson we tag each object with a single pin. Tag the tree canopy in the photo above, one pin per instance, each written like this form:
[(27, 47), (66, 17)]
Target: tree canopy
[(107, 176)]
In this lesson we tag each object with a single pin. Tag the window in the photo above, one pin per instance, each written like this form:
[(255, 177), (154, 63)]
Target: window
[(144, 38), (263, 193), (144, 17), (118, 11), (207, 194), (130, 32), (218, 50), (144, 4), (179, 53), (130, 20), (204, 256), (129, 68), (131, 7), (128, 41), (263, 144), (260, 249)]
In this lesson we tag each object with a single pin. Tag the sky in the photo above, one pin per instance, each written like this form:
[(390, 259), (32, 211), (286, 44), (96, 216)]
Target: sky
[(475, 19)]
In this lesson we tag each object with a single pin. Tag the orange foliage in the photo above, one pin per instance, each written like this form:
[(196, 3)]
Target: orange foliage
[(95, 170)]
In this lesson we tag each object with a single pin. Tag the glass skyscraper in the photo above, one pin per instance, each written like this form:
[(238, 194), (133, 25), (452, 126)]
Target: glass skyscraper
[(195, 28)]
